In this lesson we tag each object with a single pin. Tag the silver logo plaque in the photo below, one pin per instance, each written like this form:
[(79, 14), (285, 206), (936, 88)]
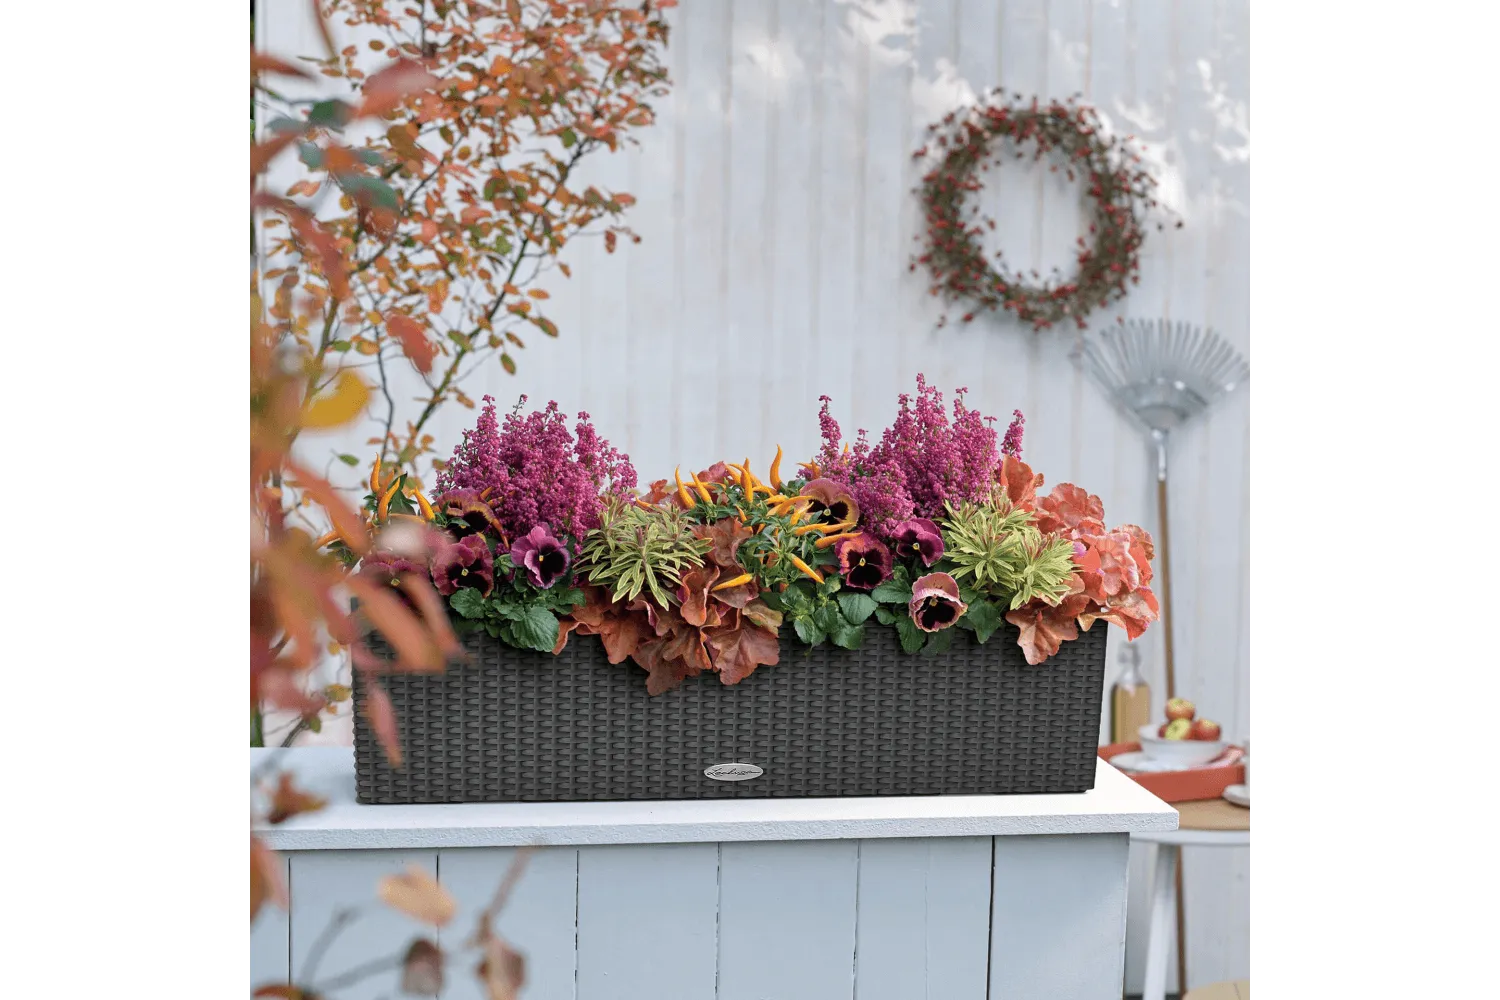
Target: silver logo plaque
[(733, 772)]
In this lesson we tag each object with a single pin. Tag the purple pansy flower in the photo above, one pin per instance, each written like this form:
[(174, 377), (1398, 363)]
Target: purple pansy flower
[(934, 602), (863, 560), (832, 497), (388, 569), (468, 513), (464, 563), (919, 538), (544, 558)]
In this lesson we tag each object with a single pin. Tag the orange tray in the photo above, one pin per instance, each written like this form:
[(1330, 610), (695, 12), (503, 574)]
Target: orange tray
[(1206, 782)]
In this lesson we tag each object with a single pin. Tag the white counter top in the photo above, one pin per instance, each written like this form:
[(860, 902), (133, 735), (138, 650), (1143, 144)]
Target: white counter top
[(1115, 805)]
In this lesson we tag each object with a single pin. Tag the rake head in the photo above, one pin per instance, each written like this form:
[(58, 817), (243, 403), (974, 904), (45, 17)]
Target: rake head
[(1161, 373)]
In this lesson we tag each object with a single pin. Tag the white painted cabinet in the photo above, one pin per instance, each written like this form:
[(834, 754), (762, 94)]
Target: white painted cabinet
[(950, 897)]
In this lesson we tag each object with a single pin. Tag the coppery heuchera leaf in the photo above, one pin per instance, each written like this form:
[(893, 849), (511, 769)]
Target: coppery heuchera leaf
[(422, 969)]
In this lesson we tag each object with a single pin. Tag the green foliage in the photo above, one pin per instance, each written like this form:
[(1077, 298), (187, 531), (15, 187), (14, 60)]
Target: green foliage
[(635, 549), (516, 613), (1001, 555)]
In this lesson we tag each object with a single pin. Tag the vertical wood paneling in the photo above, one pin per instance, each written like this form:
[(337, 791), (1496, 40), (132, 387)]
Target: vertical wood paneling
[(704, 99), (540, 919), (839, 90), (326, 884), (647, 922), (1032, 956), (270, 942), (923, 919), (787, 920), (776, 216)]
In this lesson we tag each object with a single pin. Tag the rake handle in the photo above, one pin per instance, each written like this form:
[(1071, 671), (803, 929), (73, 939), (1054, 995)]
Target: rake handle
[(1166, 586)]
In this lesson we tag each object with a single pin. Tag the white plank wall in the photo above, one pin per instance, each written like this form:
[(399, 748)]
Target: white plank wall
[(776, 217), (970, 918)]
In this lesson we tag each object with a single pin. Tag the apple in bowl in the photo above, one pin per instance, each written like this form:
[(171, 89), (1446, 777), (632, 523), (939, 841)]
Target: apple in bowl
[(1175, 743)]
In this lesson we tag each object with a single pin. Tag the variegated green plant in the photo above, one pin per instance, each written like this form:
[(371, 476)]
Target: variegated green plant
[(636, 548), (998, 551)]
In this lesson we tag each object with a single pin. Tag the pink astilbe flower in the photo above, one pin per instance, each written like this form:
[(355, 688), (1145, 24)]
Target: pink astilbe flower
[(538, 472), (1012, 444)]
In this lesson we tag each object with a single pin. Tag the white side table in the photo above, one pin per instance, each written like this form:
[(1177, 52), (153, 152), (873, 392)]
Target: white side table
[(1210, 823)]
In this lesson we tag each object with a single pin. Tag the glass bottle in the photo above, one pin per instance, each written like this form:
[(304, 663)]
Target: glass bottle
[(1130, 701)]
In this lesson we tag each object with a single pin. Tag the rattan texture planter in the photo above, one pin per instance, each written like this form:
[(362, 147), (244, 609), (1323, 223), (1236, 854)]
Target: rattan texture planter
[(520, 726)]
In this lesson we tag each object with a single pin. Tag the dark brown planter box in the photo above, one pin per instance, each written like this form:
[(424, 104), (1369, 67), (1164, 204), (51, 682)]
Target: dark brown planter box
[(520, 726)]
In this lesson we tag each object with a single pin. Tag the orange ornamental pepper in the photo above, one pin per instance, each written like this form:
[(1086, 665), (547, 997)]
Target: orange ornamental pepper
[(807, 570), (484, 494), (682, 491), (375, 478), (424, 506), (702, 489), (821, 529), (796, 514), (746, 483), (828, 540), (817, 470), (385, 498), (735, 581), (326, 539), (776, 469)]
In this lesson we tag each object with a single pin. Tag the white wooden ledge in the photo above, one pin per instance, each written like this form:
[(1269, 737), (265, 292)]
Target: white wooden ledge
[(1115, 805)]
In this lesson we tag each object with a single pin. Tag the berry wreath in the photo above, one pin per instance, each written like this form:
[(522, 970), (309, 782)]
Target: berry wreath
[(965, 143)]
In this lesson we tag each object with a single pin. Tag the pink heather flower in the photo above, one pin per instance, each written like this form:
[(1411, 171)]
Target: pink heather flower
[(934, 602), (940, 461), (1012, 444), (538, 472)]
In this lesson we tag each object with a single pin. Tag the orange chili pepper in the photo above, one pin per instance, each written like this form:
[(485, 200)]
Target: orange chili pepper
[(807, 570), (385, 498), (682, 491), (817, 470), (734, 581), (821, 529), (776, 469), (326, 539), (643, 505), (425, 507), (828, 540), (375, 478), (484, 494), (702, 489), (745, 484)]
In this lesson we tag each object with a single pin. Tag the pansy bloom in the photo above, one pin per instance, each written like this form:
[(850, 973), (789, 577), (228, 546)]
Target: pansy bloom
[(832, 497), (468, 513), (863, 560), (388, 569), (934, 602), (464, 563), (919, 538), (544, 558)]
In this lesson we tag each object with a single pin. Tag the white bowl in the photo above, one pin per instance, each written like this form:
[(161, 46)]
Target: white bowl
[(1186, 752)]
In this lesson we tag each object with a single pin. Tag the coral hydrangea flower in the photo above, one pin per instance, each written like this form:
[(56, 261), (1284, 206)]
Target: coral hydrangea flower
[(544, 558), (465, 563), (863, 560), (934, 602), (919, 538), (833, 497)]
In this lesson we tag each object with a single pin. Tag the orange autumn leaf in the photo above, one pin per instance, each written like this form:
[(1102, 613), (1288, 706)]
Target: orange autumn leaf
[(413, 338), (422, 969), (261, 62), (387, 88), (288, 800), (418, 895), (267, 880), (1070, 510), (740, 646), (382, 715), (1018, 482)]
